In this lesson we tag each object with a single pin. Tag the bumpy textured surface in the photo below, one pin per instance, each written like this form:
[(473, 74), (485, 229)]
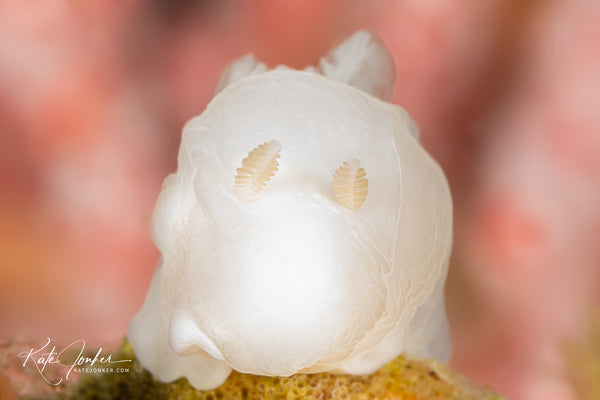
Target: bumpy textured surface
[(399, 379)]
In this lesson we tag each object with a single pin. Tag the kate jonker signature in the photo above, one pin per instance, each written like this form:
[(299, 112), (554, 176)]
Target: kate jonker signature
[(41, 359)]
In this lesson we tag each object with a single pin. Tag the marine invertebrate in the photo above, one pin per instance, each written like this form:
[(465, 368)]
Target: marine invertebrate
[(290, 282)]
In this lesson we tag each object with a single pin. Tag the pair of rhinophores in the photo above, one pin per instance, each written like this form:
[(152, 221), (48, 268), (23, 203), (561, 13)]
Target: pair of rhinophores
[(349, 183), (305, 230)]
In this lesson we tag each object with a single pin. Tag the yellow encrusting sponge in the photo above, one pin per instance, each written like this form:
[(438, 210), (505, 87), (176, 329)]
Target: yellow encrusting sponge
[(400, 379)]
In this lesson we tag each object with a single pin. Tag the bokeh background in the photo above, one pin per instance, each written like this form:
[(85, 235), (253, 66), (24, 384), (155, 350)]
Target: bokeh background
[(94, 93)]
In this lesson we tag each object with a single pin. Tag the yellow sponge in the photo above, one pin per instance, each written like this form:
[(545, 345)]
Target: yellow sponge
[(399, 379)]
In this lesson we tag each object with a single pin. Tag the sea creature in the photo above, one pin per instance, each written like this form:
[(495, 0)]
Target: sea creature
[(305, 230)]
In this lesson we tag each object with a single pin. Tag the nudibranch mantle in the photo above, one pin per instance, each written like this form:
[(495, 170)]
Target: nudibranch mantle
[(286, 278)]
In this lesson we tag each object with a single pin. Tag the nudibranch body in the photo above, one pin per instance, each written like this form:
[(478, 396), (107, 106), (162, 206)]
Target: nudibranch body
[(305, 230)]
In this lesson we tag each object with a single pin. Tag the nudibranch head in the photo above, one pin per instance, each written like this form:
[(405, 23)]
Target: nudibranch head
[(305, 230)]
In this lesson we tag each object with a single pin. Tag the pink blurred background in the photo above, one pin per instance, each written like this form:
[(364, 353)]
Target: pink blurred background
[(93, 96)]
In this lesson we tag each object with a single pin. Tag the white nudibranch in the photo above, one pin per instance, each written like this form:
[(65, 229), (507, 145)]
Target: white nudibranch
[(305, 230)]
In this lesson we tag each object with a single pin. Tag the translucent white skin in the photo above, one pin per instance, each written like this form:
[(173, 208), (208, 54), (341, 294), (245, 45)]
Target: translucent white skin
[(290, 281)]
